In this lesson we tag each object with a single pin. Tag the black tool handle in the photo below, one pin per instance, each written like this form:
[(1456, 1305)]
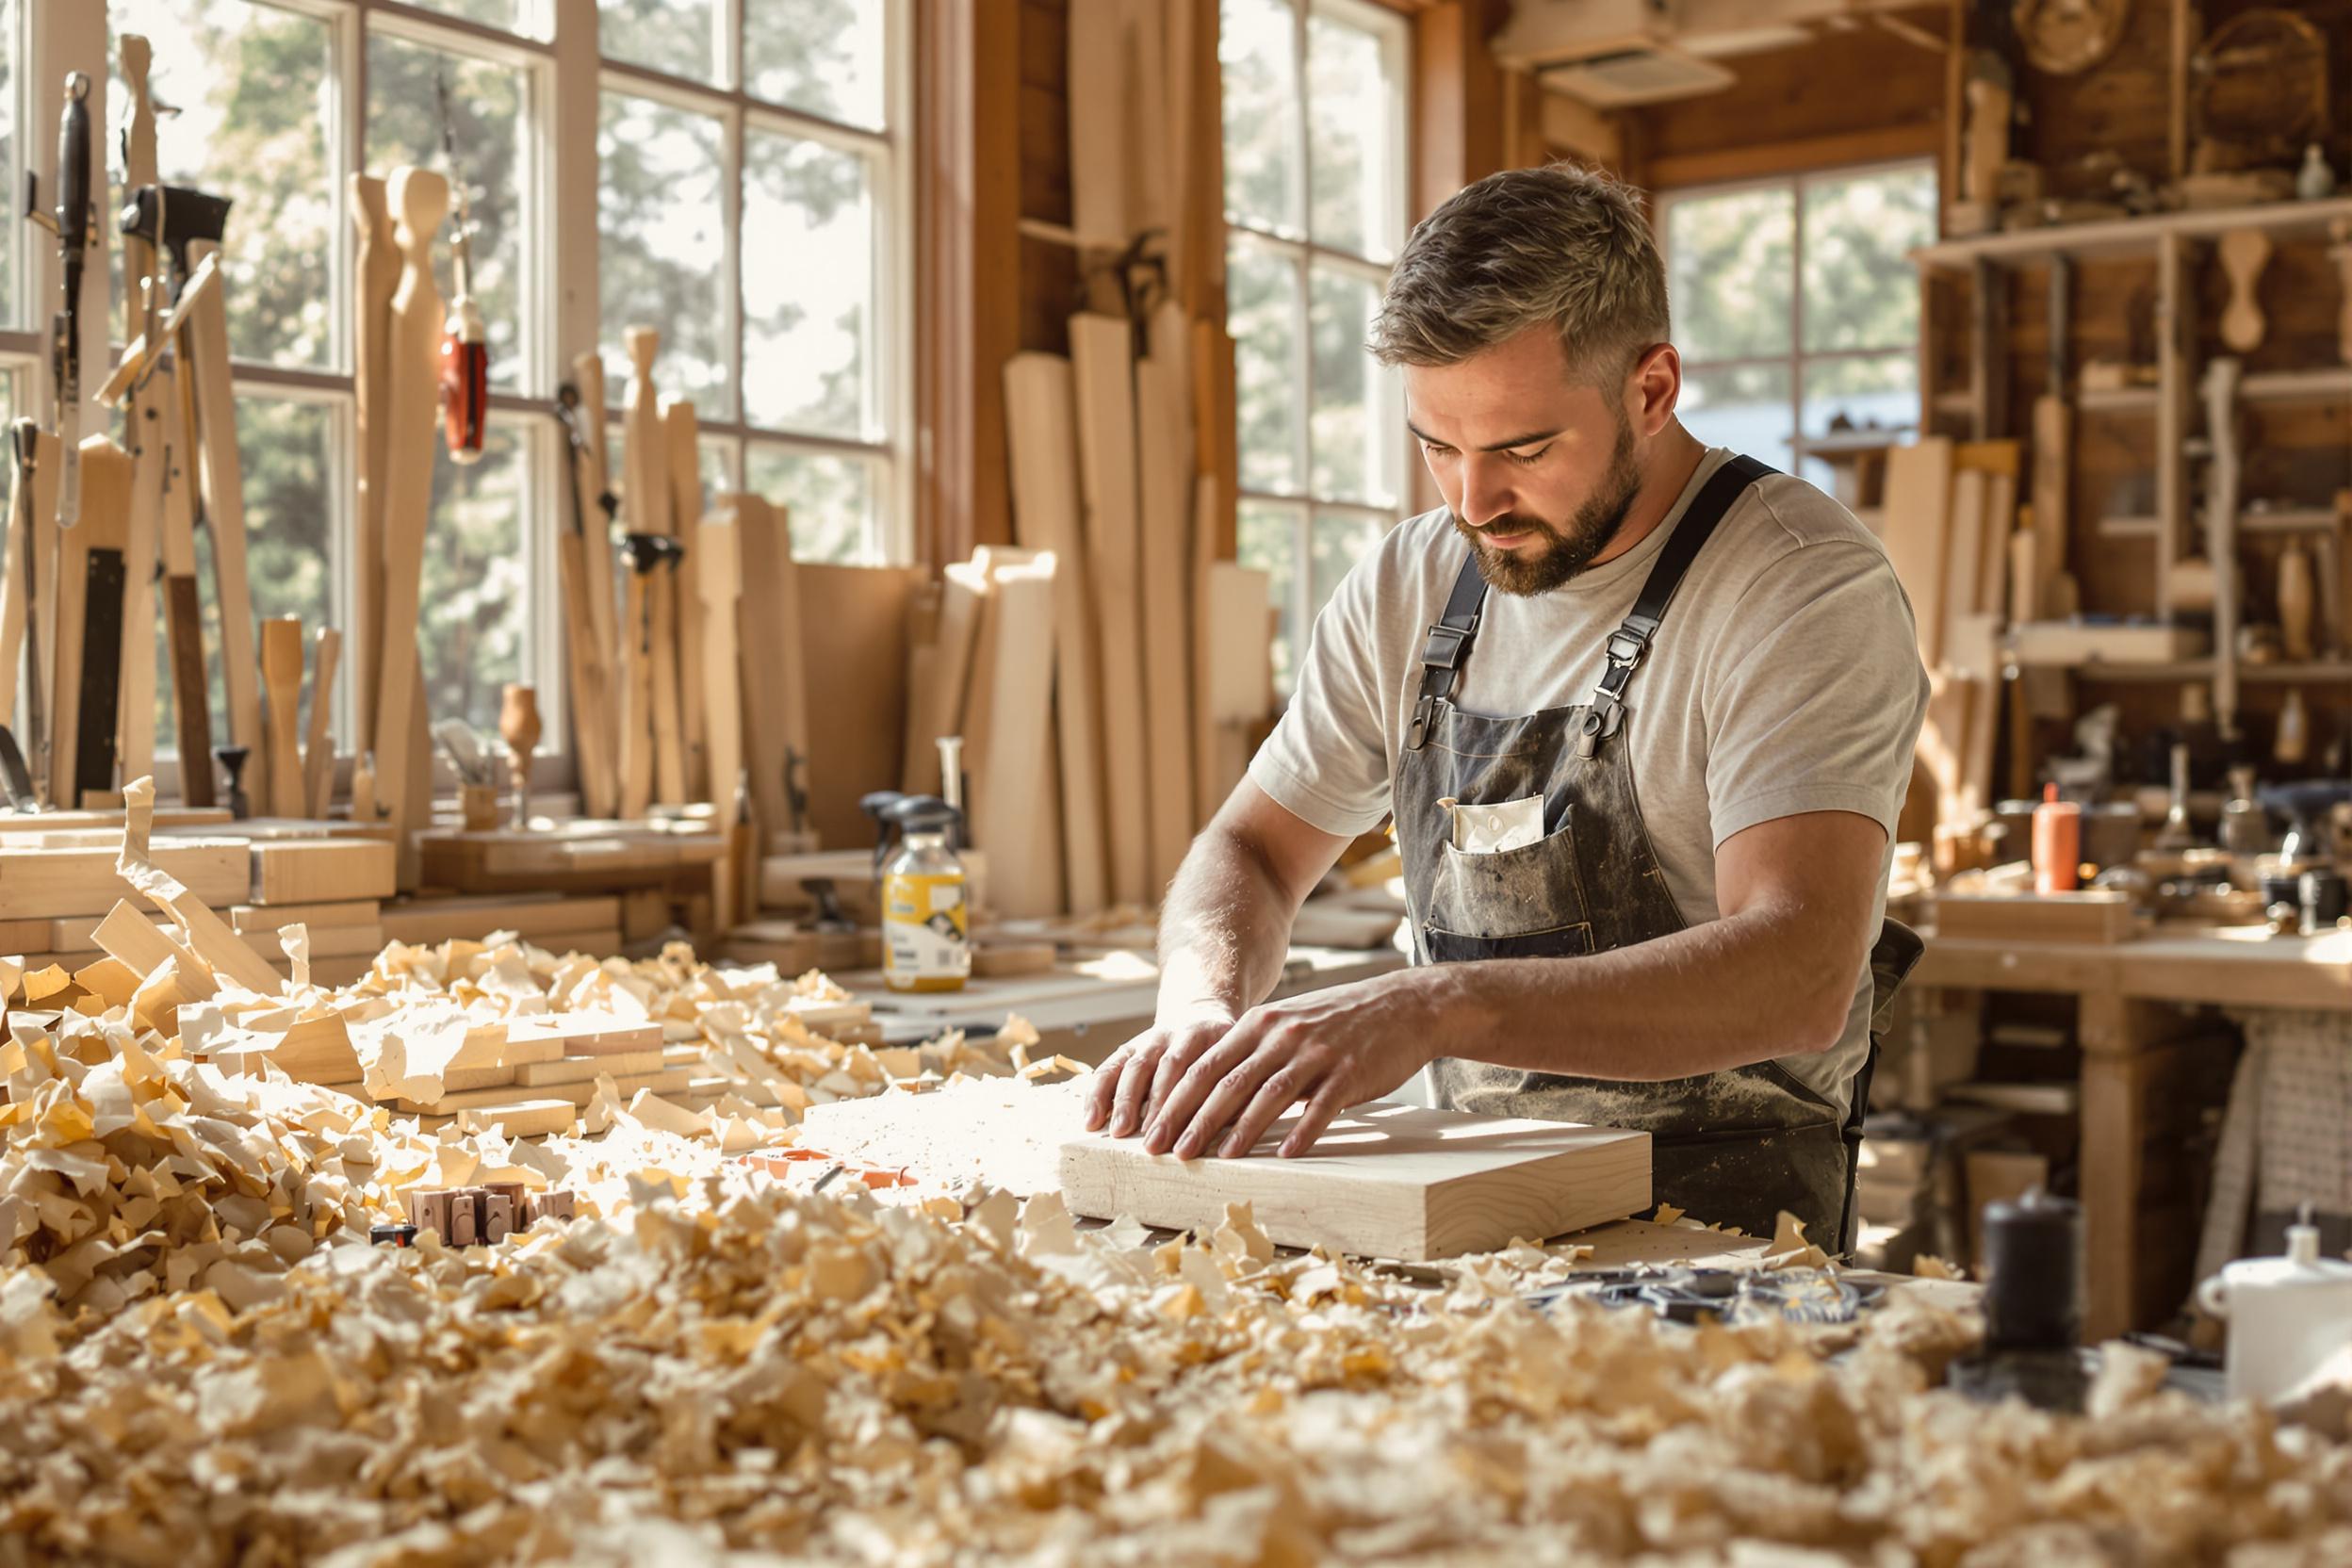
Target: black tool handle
[(73, 171), (102, 675)]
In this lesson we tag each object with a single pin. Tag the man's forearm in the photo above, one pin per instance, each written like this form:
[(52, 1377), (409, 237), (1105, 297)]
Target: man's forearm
[(1225, 927), (1720, 995)]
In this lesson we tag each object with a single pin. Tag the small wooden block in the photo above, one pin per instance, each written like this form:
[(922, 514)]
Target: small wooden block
[(2089, 915), (575, 1093), (253, 920), (319, 870), (81, 880), (586, 1033), (572, 1069), (1386, 1180)]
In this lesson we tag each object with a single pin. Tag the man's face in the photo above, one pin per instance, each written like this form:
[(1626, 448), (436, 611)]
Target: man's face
[(1537, 464)]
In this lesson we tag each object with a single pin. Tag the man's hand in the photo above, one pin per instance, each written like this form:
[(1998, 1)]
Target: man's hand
[(1332, 1048), (1135, 1079)]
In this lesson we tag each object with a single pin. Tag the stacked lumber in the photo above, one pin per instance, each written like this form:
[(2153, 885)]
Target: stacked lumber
[(1951, 515)]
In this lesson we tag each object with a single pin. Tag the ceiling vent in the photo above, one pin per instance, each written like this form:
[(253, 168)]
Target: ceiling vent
[(1626, 78)]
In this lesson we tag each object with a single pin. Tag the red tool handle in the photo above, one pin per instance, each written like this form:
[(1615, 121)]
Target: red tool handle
[(465, 396)]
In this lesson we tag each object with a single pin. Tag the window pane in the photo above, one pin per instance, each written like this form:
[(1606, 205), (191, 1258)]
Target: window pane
[(507, 14), (476, 587), (251, 84), (486, 106), (1860, 290), (1256, 46), (1268, 540), (1743, 407), (808, 285), (1353, 102), (832, 501), (285, 449), (1262, 313), (661, 247), (824, 56), (1729, 280), (1882, 389), (681, 37), (1355, 441)]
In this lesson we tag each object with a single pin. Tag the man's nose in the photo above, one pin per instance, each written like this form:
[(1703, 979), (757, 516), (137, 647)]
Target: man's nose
[(1486, 492)]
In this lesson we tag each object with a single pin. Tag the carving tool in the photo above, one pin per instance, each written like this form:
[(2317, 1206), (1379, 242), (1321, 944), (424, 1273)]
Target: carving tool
[(69, 222), (464, 341)]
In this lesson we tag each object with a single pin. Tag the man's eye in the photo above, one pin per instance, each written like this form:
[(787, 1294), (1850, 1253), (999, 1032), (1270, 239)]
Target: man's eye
[(1436, 449), (1529, 460)]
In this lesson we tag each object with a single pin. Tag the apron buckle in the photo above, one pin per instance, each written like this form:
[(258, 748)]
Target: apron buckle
[(1600, 722), (1423, 711)]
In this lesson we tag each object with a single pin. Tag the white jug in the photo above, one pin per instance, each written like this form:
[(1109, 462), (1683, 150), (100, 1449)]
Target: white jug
[(2289, 1317)]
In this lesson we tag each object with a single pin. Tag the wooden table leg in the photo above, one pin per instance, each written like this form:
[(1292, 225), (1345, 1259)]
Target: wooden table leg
[(2129, 1051)]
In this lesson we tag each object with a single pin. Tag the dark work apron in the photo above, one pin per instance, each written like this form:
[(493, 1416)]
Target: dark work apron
[(1731, 1148)]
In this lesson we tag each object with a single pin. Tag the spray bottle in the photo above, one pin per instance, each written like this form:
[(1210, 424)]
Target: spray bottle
[(926, 932)]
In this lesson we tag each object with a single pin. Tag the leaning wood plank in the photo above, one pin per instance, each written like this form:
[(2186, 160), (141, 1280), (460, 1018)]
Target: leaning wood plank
[(718, 582), (1041, 412), (644, 498), (183, 608), (1013, 819), (317, 870), (1917, 512), (421, 198), (1386, 1180), (104, 526), (1103, 367), (1164, 476), (135, 700), (379, 263), (14, 607), (205, 343), (681, 431), (768, 623), (963, 600), (1099, 185), (220, 947), (1237, 679), (1964, 549), (282, 681)]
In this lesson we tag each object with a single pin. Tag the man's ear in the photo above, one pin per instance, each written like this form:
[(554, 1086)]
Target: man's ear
[(1654, 389)]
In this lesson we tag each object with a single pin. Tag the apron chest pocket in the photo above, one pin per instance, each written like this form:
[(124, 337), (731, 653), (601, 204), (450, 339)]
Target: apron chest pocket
[(1534, 891)]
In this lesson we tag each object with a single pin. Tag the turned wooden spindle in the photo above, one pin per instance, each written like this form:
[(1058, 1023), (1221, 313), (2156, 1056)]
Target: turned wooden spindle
[(519, 727)]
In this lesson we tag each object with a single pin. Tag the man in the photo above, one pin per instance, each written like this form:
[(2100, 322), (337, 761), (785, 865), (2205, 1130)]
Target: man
[(1630, 701)]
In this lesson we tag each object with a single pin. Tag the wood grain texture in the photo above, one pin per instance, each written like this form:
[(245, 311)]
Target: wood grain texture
[(718, 583), (769, 626), (681, 429), (1164, 482), (421, 199), (282, 680), (319, 749), (1014, 785), (1102, 364), (1386, 1180), (379, 264), (1041, 415), (318, 871), (205, 349), (1918, 513), (598, 590)]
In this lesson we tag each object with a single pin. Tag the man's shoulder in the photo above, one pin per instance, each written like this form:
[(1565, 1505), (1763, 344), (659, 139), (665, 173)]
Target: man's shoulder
[(1790, 514)]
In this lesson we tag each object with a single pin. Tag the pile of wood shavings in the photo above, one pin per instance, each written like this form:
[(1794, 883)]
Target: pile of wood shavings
[(720, 1367)]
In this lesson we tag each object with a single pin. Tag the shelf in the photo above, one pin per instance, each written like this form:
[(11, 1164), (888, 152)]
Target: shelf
[(2321, 670), (2295, 387), (2283, 519), (2132, 237), (2119, 399), (2170, 669)]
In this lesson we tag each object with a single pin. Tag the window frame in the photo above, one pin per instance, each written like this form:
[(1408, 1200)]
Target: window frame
[(1799, 358), (1305, 254), (556, 46)]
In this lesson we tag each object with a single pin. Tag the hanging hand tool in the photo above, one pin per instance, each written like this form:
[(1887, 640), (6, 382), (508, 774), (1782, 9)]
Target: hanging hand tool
[(465, 340), (69, 222), (88, 674), (22, 622)]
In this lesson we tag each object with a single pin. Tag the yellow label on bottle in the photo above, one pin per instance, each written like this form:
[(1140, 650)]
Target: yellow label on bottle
[(926, 943)]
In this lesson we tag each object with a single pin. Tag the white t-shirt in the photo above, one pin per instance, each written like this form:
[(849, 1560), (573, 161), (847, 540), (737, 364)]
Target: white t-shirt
[(1784, 679)]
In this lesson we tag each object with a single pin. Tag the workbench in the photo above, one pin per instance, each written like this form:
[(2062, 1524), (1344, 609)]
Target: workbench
[(2137, 1000), (1084, 1011)]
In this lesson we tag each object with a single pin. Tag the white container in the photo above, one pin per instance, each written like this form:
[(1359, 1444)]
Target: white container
[(2288, 1316)]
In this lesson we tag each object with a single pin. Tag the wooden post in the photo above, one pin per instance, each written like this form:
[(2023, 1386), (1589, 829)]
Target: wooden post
[(204, 347), (681, 431), (586, 556), (379, 260), (770, 643), (183, 624), (2122, 1053), (718, 576), (135, 742), (644, 498), (421, 198), (318, 755), (282, 678)]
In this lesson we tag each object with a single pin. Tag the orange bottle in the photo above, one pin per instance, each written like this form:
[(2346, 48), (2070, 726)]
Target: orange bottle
[(2057, 842)]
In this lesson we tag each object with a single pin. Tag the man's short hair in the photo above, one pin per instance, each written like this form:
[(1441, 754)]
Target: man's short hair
[(1561, 245)]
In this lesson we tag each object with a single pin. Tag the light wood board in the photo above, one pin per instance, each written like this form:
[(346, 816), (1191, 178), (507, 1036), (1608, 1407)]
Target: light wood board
[(1164, 481), (1917, 514), (769, 628), (681, 431), (1103, 365), (1042, 416), (379, 263), (1014, 784), (1386, 1180), (718, 582), (205, 345), (321, 869)]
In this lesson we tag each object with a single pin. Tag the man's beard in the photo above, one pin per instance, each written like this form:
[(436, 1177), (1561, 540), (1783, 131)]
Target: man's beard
[(1570, 550)]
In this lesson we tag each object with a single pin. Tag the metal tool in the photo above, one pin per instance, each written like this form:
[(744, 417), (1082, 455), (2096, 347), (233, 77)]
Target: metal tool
[(69, 222), (231, 760), (26, 438), (15, 781), (465, 340), (468, 752)]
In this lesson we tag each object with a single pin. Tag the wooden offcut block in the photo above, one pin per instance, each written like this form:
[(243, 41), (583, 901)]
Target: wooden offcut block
[(81, 879), (317, 871), (520, 1117), (2088, 915), (253, 920), (575, 1069), (1386, 1180), (585, 1034)]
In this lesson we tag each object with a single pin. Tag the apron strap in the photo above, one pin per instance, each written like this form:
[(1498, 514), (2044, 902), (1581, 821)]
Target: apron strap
[(1448, 647), (1629, 642)]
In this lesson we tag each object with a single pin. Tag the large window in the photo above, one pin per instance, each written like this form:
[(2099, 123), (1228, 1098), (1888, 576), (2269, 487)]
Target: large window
[(1315, 198), (748, 203), (1794, 304), (745, 195)]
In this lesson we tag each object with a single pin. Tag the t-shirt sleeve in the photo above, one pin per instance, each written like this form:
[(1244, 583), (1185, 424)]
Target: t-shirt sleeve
[(1327, 761), (1815, 694)]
